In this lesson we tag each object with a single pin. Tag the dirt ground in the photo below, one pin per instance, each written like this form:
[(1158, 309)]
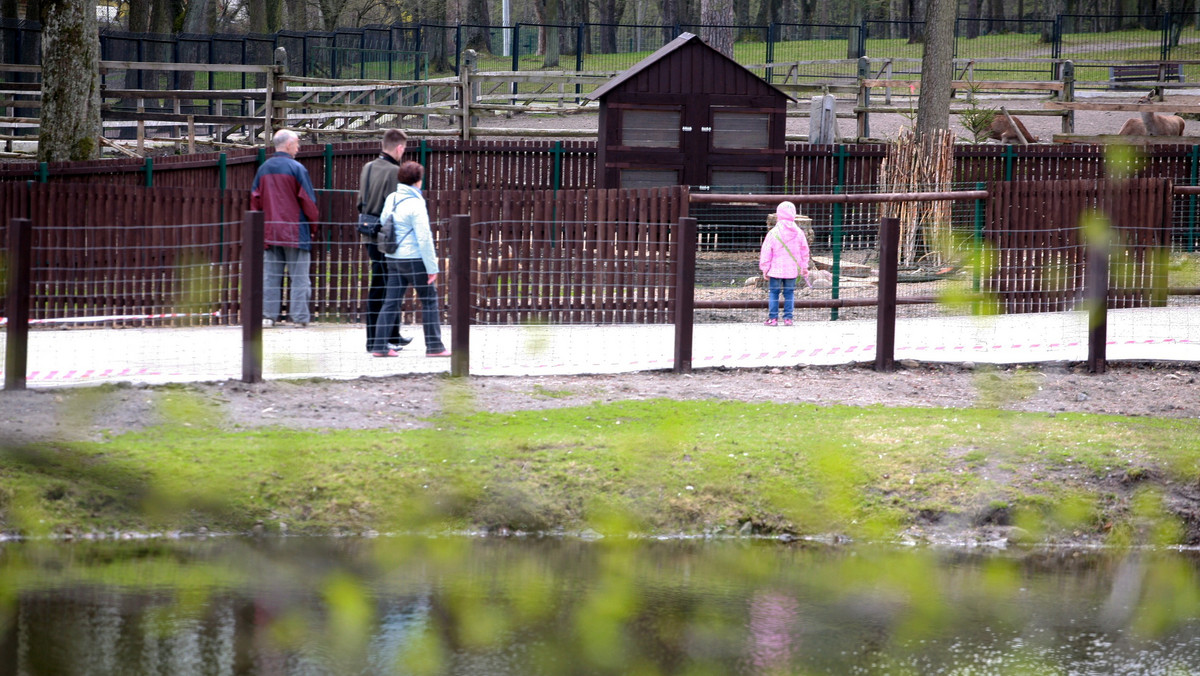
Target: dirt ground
[(887, 126), (1145, 389)]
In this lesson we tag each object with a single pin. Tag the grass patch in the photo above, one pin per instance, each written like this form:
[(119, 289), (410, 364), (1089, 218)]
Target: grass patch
[(648, 466)]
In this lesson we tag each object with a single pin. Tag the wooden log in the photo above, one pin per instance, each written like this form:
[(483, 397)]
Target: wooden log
[(1169, 108), (1105, 139), (184, 67), (131, 116), (116, 146), (204, 94), (973, 84), (1032, 112)]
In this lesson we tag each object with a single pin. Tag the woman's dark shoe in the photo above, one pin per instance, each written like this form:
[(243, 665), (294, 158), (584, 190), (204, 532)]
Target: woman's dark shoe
[(402, 341)]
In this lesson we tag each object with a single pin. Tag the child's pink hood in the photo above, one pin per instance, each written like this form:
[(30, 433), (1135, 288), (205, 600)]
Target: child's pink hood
[(773, 259)]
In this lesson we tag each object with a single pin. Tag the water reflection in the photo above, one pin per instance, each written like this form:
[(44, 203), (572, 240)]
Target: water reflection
[(476, 606)]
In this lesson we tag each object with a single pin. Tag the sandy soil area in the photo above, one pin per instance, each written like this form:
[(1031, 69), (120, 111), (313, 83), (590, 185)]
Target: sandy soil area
[(888, 125)]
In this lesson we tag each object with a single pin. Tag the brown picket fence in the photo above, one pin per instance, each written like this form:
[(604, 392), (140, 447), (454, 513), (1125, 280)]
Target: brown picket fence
[(138, 256), (1037, 232)]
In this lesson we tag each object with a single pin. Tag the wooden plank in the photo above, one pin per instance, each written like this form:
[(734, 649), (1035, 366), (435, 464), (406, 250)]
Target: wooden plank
[(184, 67), (1106, 139), (970, 84), (1167, 108)]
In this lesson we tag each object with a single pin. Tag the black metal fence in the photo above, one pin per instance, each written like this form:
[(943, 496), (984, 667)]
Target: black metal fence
[(414, 51)]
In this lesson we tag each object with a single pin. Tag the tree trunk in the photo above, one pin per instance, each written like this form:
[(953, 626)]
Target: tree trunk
[(139, 16), (297, 15), (549, 34), (741, 17), (611, 12), (257, 12), (274, 15), (996, 15), (937, 68), (973, 18), (70, 81), (476, 34), (716, 17)]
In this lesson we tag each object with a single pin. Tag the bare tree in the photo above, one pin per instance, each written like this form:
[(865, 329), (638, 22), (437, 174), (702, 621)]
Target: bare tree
[(547, 14), (297, 15), (716, 19), (70, 81), (937, 67), (476, 34), (138, 16), (610, 13)]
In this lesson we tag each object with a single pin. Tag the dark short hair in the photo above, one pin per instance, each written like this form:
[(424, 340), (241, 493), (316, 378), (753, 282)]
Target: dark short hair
[(410, 172), (393, 138)]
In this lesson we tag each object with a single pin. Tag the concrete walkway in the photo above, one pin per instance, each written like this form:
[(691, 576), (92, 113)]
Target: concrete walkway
[(173, 355)]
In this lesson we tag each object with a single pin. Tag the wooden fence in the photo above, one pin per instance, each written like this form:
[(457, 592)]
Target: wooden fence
[(1037, 230), (142, 256), (570, 165)]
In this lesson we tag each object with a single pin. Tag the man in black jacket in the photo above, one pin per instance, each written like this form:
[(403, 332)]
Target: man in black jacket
[(378, 180)]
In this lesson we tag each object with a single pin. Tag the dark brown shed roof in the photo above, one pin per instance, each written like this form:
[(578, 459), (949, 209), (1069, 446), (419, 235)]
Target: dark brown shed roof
[(704, 78)]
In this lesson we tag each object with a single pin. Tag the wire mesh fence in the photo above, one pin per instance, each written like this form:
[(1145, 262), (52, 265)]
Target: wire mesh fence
[(159, 300)]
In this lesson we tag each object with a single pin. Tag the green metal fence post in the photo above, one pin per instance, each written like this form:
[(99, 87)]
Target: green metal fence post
[(42, 175), (978, 239), (149, 172), (516, 58), (329, 166), (222, 182), (556, 152), (579, 32), (1191, 237), (838, 208), (262, 156), (516, 47), (1010, 156), (423, 153)]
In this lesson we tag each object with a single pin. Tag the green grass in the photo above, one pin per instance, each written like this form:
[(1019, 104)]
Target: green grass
[(652, 466)]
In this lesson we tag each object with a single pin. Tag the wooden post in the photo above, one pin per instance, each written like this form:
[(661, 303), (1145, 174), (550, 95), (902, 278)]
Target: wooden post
[(252, 296), (885, 315), (191, 126), (864, 98), (460, 296), (141, 127), (16, 347), (468, 91), (1097, 302), (685, 292), (1068, 95), (887, 75), (1013, 124)]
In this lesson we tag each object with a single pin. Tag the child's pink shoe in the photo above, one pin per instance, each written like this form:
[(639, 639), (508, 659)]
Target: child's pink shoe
[(771, 322), (787, 322)]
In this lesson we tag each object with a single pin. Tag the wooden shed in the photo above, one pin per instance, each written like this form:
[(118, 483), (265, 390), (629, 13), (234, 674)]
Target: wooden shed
[(689, 115)]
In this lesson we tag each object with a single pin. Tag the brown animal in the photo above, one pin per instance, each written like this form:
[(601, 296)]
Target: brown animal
[(1133, 127), (1002, 131), (1152, 124)]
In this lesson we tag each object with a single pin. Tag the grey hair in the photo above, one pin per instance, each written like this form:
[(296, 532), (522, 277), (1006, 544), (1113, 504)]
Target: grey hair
[(283, 136)]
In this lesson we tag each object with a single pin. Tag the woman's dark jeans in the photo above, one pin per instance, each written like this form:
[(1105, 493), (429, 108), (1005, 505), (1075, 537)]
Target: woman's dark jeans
[(401, 274)]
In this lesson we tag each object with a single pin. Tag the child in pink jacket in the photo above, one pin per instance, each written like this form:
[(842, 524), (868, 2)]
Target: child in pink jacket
[(783, 258)]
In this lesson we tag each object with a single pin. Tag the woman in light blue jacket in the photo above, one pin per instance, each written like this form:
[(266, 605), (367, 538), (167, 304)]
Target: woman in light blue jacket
[(414, 263)]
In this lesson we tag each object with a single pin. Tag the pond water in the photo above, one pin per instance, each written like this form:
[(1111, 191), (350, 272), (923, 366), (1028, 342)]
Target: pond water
[(460, 605)]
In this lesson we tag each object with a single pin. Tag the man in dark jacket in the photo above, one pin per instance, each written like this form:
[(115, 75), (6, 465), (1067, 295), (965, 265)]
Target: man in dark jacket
[(378, 180), (283, 191)]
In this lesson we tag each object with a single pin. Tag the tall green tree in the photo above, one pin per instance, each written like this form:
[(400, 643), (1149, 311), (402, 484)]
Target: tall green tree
[(70, 81)]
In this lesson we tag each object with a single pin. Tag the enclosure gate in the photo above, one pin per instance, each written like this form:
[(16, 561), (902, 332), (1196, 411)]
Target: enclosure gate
[(1037, 233)]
